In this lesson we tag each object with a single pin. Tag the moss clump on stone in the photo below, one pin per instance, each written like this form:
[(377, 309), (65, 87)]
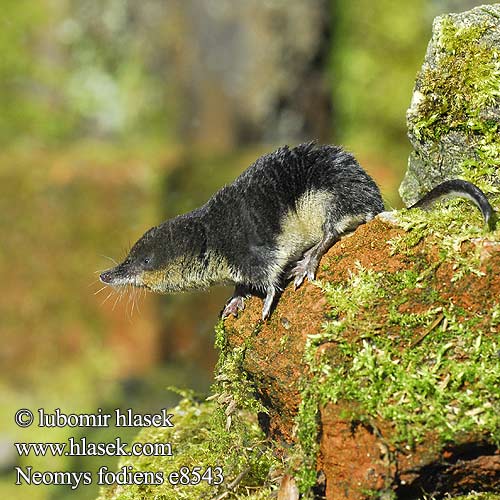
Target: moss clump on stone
[(453, 119), (464, 83), (307, 433), (233, 389), (447, 226)]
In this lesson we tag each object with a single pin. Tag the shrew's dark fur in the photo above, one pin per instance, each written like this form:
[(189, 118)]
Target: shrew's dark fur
[(273, 223)]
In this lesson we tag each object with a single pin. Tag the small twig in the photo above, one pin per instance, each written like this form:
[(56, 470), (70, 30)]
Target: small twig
[(236, 481), (429, 330), (233, 484)]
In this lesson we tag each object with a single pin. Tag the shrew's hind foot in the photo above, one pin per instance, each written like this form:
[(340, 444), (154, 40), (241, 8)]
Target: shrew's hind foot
[(308, 265), (304, 268)]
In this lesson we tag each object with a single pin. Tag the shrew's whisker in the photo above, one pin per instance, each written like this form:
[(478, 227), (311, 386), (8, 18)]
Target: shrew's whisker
[(109, 295), (118, 298), (111, 259), (100, 289)]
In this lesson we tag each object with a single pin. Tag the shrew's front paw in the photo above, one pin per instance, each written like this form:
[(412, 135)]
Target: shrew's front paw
[(233, 306)]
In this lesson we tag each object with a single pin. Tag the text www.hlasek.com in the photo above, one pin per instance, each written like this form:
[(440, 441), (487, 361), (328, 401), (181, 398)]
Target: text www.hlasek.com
[(82, 447), (182, 475)]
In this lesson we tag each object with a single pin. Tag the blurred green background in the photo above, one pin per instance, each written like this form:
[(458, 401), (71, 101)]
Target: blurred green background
[(116, 114)]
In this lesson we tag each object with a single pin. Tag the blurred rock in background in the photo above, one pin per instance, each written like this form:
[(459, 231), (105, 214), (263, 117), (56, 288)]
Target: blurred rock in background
[(251, 71)]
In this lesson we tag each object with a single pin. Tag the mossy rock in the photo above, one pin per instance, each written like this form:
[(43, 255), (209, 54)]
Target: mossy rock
[(455, 109)]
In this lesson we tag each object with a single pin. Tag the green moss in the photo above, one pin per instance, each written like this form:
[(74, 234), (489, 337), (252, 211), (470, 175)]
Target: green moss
[(200, 440), (235, 390), (232, 384), (445, 383), (442, 380), (448, 226), (235, 395), (308, 427)]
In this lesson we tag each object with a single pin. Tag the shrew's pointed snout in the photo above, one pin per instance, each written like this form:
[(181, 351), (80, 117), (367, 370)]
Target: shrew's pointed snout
[(106, 276), (110, 276), (120, 275)]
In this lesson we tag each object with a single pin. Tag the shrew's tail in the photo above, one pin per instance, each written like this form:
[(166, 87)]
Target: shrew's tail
[(462, 189)]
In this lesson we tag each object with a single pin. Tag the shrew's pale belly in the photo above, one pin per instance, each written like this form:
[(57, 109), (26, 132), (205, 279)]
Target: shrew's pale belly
[(303, 227)]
